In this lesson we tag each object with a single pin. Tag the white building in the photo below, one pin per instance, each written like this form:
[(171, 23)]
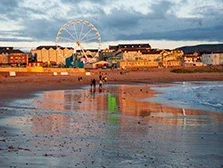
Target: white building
[(212, 59)]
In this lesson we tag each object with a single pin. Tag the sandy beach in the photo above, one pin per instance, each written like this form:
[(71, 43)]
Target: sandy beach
[(73, 127), (23, 85)]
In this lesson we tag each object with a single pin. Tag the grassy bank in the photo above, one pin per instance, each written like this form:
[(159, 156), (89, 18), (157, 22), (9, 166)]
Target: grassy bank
[(198, 70)]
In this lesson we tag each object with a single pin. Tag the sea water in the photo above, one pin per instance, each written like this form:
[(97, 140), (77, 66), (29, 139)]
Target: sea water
[(194, 95)]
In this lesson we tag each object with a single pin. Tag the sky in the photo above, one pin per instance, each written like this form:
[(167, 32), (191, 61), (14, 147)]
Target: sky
[(26, 24)]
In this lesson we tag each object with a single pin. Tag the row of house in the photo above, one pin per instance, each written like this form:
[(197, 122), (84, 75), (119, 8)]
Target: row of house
[(124, 55), (51, 54), (11, 56), (214, 58), (141, 55)]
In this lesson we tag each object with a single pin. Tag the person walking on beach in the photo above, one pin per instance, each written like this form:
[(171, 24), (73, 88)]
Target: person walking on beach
[(100, 85), (93, 84), (105, 79), (100, 77), (79, 78)]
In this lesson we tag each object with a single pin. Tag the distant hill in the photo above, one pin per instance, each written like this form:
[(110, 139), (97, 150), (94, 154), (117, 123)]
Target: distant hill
[(203, 48)]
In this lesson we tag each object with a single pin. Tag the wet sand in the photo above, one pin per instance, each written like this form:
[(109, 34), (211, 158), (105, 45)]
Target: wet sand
[(79, 128)]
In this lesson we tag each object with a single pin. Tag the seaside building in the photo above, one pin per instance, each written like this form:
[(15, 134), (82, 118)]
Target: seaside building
[(192, 59), (172, 58), (13, 57), (127, 51), (145, 58), (212, 58), (121, 55), (18, 58), (121, 52), (91, 55), (142, 55), (4, 52), (108, 55), (52, 54)]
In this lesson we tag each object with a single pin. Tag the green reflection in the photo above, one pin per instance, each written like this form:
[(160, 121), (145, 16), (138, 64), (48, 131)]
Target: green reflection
[(112, 109)]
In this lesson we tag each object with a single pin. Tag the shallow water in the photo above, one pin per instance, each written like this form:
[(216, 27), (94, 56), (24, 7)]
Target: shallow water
[(113, 128), (197, 95)]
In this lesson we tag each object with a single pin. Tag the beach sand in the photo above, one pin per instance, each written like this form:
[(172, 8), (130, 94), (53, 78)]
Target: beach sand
[(23, 86), (79, 130)]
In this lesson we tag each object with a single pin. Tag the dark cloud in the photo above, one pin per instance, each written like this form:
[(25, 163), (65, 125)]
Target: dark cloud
[(124, 24), (14, 10), (7, 36), (206, 34), (42, 29), (132, 25), (14, 39), (22, 13), (161, 23), (8, 5), (80, 11), (159, 10), (118, 22), (8, 8)]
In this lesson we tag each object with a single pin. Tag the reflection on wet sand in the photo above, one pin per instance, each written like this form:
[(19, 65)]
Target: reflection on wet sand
[(124, 100), (113, 128)]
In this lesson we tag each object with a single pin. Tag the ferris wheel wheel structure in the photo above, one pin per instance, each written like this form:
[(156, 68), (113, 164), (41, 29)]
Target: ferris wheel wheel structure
[(80, 38)]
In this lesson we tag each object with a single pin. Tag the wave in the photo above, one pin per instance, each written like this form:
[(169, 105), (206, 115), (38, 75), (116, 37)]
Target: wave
[(197, 95)]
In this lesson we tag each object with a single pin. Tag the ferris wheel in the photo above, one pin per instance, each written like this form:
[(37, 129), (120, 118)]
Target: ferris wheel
[(79, 37)]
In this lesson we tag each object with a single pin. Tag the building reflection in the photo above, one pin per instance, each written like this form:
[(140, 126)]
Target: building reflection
[(128, 100), (51, 100), (112, 105)]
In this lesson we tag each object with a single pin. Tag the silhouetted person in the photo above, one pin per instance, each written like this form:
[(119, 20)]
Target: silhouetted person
[(100, 85), (100, 77), (105, 79), (93, 83), (79, 78)]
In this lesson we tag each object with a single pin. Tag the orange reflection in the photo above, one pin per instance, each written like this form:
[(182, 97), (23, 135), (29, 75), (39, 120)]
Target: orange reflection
[(127, 100)]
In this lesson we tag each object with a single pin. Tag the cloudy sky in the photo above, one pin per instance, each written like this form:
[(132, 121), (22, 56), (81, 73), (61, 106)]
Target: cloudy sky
[(162, 23)]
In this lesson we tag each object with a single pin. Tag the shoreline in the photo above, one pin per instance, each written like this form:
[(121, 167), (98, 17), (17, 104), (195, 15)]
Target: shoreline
[(25, 86)]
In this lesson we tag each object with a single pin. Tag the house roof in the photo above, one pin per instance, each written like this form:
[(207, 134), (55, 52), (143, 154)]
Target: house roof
[(10, 51), (16, 51), (6, 48), (53, 47), (130, 46), (101, 62), (46, 47), (91, 50), (134, 46), (152, 52), (113, 47), (133, 49)]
